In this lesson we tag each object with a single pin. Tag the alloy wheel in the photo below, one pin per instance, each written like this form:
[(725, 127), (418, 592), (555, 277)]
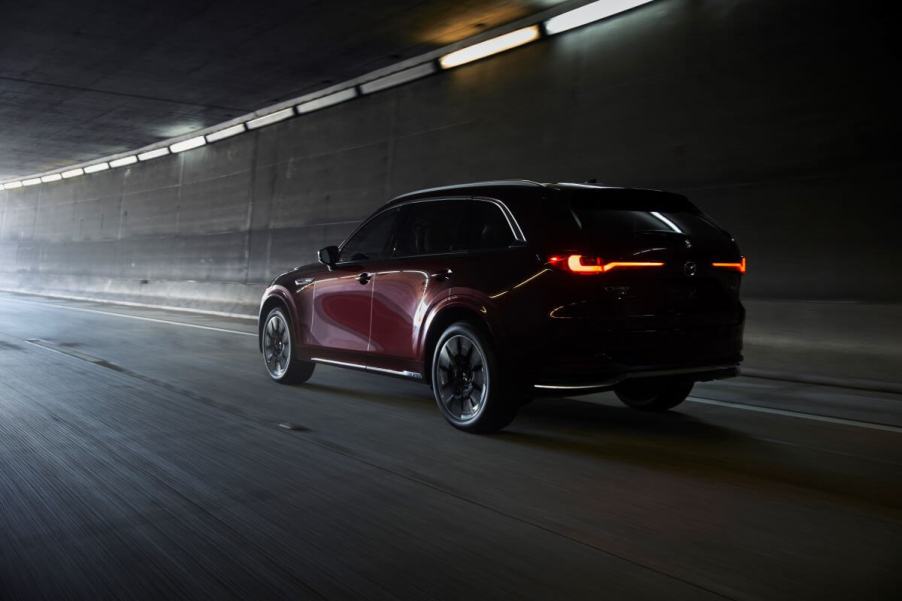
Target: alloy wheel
[(463, 380)]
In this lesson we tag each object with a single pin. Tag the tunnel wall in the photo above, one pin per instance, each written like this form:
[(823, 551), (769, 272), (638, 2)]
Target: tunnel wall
[(778, 118)]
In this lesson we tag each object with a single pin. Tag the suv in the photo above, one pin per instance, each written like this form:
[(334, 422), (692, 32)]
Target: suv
[(495, 292)]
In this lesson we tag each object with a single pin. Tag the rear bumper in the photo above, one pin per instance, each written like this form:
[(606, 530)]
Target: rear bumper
[(701, 373)]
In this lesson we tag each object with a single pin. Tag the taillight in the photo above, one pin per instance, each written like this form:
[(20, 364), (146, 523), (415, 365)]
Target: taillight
[(589, 264), (740, 266)]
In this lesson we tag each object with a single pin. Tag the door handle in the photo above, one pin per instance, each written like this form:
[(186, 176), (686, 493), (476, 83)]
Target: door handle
[(442, 276), (364, 277)]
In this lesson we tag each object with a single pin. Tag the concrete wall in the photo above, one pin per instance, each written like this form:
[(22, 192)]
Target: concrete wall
[(778, 118)]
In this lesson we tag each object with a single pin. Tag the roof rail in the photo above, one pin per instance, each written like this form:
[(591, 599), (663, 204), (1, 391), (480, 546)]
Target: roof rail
[(499, 182)]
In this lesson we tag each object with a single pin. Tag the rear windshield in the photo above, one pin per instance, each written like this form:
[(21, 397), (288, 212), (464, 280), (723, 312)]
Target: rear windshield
[(615, 213)]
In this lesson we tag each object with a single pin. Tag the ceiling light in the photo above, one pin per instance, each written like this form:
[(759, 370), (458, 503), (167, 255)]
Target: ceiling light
[(73, 173), (52, 178), (270, 118), (96, 168), (188, 144), (589, 13), (327, 100), (124, 161), (153, 154), (12, 185), (398, 78), (31, 182), (228, 132), (490, 47)]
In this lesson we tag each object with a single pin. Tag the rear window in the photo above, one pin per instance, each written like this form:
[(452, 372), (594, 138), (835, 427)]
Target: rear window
[(618, 213)]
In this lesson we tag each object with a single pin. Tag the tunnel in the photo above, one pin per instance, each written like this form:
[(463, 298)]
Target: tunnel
[(180, 185)]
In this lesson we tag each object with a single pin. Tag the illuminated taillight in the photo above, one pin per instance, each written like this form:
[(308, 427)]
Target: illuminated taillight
[(740, 266), (588, 265)]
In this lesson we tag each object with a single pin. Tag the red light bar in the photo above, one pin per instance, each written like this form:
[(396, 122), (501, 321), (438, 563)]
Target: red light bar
[(740, 266), (587, 265)]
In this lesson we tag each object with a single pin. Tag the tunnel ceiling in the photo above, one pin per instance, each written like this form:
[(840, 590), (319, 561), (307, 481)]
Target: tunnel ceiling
[(81, 80)]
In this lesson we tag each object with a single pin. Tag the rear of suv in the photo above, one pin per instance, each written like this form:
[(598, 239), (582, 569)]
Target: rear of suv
[(496, 292)]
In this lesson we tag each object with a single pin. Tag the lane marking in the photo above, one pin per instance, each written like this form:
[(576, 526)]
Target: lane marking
[(138, 317), (798, 414)]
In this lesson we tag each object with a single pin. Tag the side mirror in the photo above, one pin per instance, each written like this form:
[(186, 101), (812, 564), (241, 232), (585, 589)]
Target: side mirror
[(328, 256)]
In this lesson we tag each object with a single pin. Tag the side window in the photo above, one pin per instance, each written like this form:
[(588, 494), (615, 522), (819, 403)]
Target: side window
[(488, 226), (435, 226), (373, 240)]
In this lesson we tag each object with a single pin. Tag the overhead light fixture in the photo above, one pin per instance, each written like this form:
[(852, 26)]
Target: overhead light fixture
[(589, 13), (490, 47), (129, 160), (187, 144), (55, 177), (327, 100), (31, 182), (96, 168), (73, 173), (228, 132), (270, 118), (153, 154), (12, 185), (397, 78)]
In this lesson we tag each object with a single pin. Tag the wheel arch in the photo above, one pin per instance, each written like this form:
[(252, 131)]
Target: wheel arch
[(443, 317), (272, 300)]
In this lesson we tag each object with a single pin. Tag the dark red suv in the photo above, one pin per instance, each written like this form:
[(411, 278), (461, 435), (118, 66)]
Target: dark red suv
[(496, 292)]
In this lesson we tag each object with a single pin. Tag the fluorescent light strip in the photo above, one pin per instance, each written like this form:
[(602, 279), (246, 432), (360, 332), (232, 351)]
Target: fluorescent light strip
[(589, 14), (228, 132), (153, 154), (397, 78), (490, 47), (187, 144), (129, 160), (96, 168), (327, 100), (31, 182), (73, 173), (55, 177), (270, 118), (12, 185)]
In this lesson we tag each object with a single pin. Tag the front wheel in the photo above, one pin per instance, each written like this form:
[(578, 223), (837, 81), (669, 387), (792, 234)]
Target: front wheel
[(468, 386), (653, 394), (278, 351)]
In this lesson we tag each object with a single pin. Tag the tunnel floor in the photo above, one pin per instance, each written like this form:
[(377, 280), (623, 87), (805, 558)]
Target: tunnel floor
[(145, 454)]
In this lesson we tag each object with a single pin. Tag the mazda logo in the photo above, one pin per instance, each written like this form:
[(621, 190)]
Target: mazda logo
[(689, 268)]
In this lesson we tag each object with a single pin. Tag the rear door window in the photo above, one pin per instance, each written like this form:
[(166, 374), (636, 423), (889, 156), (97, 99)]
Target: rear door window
[(488, 226), (433, 227)]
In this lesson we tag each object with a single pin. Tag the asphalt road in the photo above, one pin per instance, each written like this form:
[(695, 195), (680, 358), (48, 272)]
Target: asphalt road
[(143, 454)]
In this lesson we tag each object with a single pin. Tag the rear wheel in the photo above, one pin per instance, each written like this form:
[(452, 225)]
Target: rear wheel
[(653, 395), (469, 388), (278, 351)]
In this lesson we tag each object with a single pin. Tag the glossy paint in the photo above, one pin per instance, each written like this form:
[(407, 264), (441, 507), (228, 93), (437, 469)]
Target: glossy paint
[(551, 326)]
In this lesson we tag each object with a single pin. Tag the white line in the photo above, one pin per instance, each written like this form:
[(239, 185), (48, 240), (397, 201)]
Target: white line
[(104, 301), (798, 414), (153, 319)]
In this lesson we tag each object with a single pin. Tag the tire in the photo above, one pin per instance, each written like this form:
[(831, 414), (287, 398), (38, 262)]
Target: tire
[(469, 388), (653, 395), (277, 342)]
